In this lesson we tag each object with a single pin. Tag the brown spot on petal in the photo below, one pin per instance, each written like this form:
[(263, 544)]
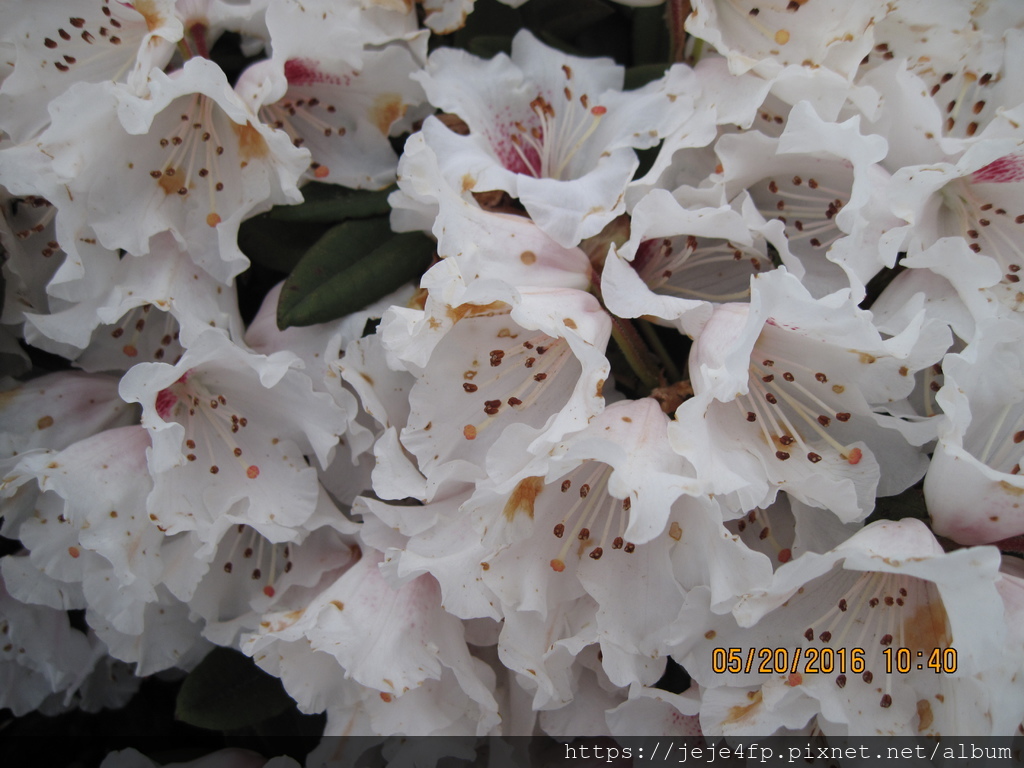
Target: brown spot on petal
[(925, 716), (523, 497), (386, 109), (43, 423), (740, 712), (928, 627), (73, 551), (251, 143), (528, 257)]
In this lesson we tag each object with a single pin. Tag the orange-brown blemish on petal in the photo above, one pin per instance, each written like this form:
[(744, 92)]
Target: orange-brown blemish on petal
[(73, 551), (150, 13), (322, 172), (928, 627), (44, 422), (476, 310), (795, 679), (740, 712), (251, 144), (385, 697), (468, 182), (386, 109), (925, 716), (170, 182), (523, 497)]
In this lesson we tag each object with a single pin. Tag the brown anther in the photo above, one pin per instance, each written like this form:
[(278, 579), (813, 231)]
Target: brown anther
[(770, 398), (470, 387), (813, 457), (617, 543), (559, 530), (843, 416), (584, 490), (566, 485), (751, 416), (584, 534), (629, 548), (214, 469), (596, 554)]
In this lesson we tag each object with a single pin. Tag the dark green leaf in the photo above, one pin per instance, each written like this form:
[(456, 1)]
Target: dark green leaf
[(650, 36), (329, 203), (637, 77), (565, 18), (351, 266), (228, 691), (910, 503), (489, 46), (490, 18), (276, 244)]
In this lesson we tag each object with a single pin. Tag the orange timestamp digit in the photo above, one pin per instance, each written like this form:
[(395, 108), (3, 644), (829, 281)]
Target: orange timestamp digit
[(783, 661)]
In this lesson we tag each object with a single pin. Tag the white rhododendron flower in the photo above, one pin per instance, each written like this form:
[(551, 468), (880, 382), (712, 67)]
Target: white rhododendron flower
[(199, 163), (562, 370), (552, 130), (888, 589), (791, 392), (768, 36), (973, 487), (58, 44), (213, 412)]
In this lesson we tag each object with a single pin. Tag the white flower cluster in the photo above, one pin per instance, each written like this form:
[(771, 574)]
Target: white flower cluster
[(470, 521)]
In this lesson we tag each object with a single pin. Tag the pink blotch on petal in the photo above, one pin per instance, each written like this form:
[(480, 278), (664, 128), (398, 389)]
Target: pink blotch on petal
[(1008, 168), (165, 401), (305, 72)]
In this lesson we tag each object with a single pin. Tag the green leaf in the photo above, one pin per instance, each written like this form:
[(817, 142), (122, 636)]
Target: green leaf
[(910, 503), (227, 691), (276, 244), (565, 18), (329, 203), (637, 77), (651, 42), (351, 266), (489, 46)]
